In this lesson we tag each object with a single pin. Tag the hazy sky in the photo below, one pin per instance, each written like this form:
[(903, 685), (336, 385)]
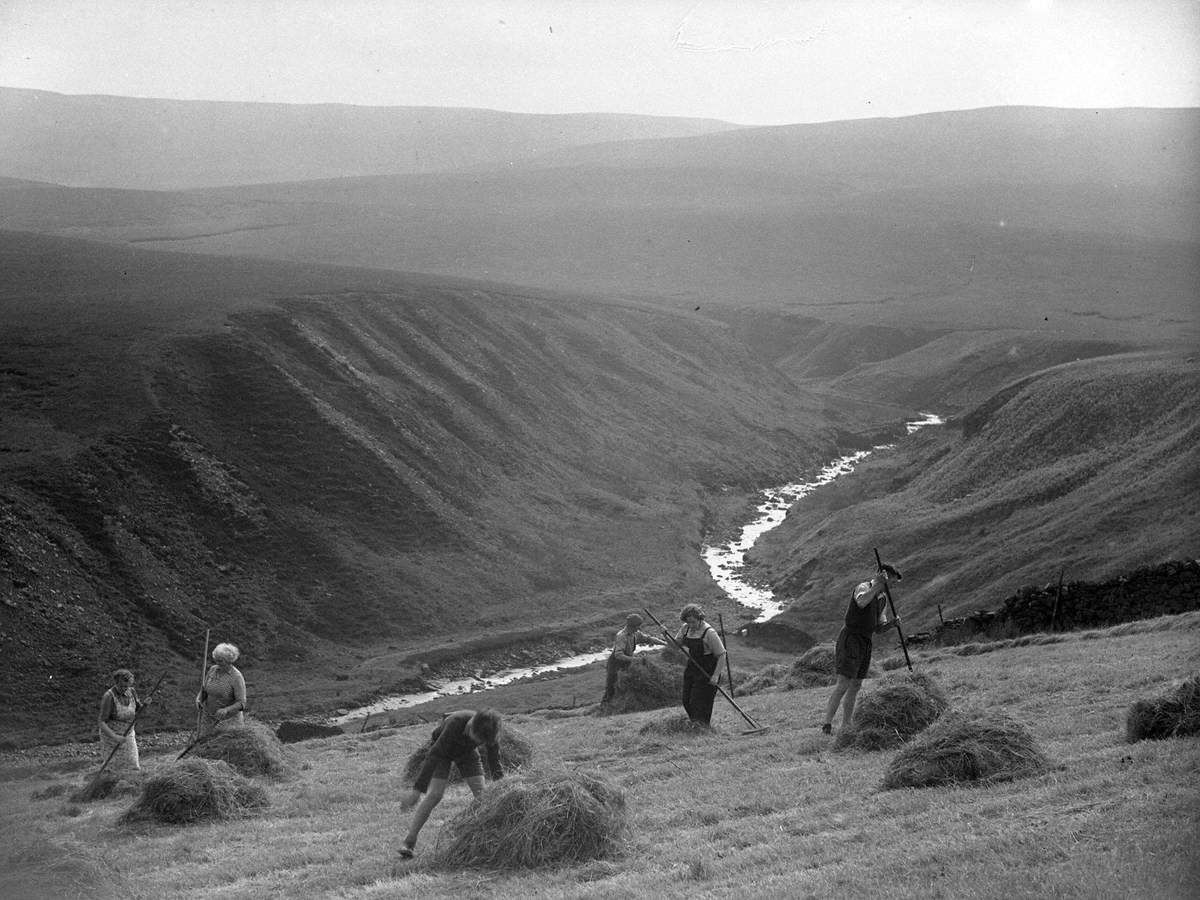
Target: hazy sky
[(749, 61)]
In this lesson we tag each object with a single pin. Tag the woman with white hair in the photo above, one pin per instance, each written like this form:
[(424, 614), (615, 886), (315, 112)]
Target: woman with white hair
[(222, 699)]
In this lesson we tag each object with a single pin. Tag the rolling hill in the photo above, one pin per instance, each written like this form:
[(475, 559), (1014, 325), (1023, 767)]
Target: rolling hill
[(141, 143)]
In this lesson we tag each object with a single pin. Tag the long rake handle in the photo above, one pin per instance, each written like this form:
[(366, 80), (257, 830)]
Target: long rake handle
[(700, 669), (892, 606)]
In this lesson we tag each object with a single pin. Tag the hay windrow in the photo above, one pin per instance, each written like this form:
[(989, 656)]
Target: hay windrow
[(196, 789), (967, 747), (252, 749), (893, 710), (1175, 713), (535, 821), (516, 753)]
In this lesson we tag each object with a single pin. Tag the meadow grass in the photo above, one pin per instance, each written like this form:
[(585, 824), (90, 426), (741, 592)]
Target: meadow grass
[(722, 814)]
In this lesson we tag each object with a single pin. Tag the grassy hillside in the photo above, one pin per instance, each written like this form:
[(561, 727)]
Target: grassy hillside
[(769, 816), (1088, 468)]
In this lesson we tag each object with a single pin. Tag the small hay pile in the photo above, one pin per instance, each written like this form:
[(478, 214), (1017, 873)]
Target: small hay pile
[(762, 680), (893, 711), (252, 749), (978, 747), (529, 822), (1175, 713), (516, 753), (813, 668), (645, 684), (195, 789)]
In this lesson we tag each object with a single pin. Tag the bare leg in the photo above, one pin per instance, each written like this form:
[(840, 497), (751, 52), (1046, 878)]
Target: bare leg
[(475, 783), (848, 703), (839, 691), (432, 797)]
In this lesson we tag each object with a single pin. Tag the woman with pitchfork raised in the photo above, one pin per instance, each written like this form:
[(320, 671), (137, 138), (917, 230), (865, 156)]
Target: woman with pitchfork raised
[(222, 699)]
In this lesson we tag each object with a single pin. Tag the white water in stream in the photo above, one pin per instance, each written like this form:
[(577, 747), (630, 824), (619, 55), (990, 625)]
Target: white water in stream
[(726, 562)]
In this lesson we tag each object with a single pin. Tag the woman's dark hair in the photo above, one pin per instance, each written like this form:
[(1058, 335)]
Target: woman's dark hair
[(486, 725), (121, 675), (692, 609)]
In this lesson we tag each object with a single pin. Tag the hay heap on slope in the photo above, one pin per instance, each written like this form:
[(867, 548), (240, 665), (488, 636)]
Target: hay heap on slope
[(966, 747), (645, 684), (252, 749), (896, 708), (813, 668), (533, 821), (195, 789), (1175, 713), (516, 753)]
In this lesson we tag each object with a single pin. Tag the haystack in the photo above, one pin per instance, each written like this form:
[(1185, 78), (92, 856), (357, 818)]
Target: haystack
[(252, 749), (516, 753), (813, 668), (534, 821), (195, 789), (645, 684), (966, 747), (896, 708), (1175, 713), (763, 680)]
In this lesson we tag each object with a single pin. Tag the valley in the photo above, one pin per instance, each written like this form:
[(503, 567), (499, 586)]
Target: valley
[(368, 422)]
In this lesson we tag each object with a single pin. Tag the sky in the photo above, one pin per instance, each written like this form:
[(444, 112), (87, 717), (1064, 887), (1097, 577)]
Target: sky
[(752, 62)]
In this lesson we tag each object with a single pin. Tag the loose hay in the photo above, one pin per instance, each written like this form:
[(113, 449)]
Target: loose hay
[(898, 707), (106, 784), (252, 749), (1175, 713), (516, 753), (195, 789), (534, 821), (674, 725), (979, 747), (645, 684)]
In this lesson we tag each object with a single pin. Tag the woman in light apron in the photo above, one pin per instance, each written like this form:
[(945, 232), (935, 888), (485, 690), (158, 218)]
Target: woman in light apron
[(118, 709)]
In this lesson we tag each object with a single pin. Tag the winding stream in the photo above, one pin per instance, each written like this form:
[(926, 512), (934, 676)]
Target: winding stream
[(726, 562)]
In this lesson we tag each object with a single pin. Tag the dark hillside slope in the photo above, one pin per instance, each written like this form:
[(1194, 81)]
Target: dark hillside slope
[(127, 142), (1091, 468)]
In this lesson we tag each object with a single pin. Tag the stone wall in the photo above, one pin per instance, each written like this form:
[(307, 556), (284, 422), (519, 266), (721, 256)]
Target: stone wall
[(1165, 589)]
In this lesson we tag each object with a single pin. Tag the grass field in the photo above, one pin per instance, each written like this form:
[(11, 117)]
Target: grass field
[(721, 814)]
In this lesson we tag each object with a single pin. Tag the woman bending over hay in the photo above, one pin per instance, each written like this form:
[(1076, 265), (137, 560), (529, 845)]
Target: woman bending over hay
[(456, 742)]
